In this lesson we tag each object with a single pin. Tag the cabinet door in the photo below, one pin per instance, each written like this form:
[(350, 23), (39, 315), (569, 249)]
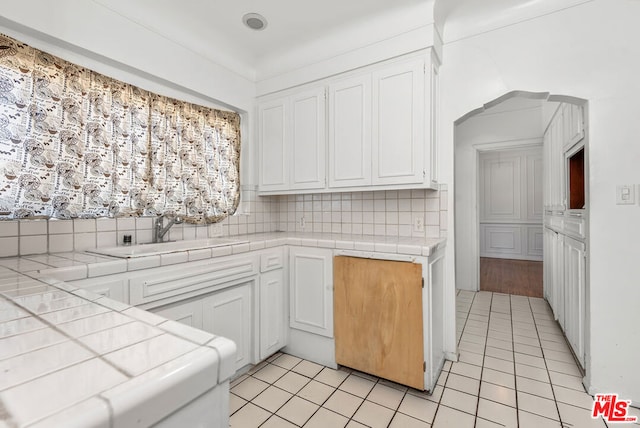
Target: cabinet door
[(375, 303), (573, 124), (308, 141), (228, 313), (398, 139), (558, 182), (548, 171), (272, 135), (350, 132), (548, 265), (574, 282), (272, 313), (311, 290), (189, 313), (558, 279)]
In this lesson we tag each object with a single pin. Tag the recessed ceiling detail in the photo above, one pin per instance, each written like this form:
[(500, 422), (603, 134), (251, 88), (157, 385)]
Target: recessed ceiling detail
[(255, 21)]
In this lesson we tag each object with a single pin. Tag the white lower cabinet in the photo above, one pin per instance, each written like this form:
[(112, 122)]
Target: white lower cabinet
[(311, 290), (574, 295), (565, 286), (229, 313), (558, 279), (189, 313), (272, 312), (242, 298)]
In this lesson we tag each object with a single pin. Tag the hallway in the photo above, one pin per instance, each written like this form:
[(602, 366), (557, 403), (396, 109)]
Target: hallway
[(520, 277)]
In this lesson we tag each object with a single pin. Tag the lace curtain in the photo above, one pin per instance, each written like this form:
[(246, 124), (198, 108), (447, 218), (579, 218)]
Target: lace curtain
[(75, 143)]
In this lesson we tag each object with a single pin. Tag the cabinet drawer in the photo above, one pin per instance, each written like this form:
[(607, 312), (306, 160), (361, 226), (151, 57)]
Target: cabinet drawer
[(271, 261), (575, 226), (190, 278)]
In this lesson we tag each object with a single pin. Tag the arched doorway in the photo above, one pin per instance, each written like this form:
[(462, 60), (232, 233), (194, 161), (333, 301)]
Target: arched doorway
[(521, 194)]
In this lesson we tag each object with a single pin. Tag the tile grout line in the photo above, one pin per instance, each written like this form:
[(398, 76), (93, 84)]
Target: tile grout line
[(515, 367), (484, 353)]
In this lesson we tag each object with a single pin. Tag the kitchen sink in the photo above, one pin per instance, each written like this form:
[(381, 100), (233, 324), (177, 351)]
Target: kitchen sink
[(143, 250)]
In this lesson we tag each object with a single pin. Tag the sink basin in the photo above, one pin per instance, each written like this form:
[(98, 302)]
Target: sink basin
[(143, 250)]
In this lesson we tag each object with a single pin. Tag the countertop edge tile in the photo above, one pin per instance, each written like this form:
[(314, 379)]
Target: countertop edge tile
[(155, 394), (93, 412)]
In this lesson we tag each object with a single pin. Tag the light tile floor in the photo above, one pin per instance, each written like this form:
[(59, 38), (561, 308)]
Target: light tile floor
[(515, 370)]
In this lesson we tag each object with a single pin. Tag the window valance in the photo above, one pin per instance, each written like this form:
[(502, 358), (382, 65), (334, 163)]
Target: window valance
[(76, 143)]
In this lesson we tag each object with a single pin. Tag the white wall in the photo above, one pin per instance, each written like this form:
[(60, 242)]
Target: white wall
[(511, 204), (482, 132), (589, 51), (89, 34), (363, 42)]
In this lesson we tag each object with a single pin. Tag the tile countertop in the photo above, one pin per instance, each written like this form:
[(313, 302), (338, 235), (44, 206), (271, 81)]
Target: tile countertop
[(80, 265), (69, 357), (67, 354)]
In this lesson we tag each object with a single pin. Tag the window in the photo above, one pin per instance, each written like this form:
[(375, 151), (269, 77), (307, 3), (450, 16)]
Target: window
[(75, 143)]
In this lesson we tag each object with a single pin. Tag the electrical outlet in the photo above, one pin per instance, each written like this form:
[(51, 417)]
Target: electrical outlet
[(303, 222), (418, 224)]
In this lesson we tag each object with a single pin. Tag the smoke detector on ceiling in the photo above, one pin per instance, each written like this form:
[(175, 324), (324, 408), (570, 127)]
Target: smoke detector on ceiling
[(255, 21)]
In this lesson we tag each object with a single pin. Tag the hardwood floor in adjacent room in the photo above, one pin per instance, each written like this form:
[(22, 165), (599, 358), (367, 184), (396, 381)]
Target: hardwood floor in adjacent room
[(522, 277)]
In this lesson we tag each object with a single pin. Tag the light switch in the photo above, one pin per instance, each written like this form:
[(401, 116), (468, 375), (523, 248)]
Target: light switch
[(626, 194)]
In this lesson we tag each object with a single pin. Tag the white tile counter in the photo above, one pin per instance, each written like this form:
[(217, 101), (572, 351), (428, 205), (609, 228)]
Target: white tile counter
[(80, 265), (72, 358)]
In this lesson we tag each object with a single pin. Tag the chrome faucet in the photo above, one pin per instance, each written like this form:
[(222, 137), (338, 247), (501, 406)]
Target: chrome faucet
[(159, 229)]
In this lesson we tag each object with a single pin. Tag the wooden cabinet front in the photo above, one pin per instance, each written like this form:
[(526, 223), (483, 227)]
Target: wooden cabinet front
[(378, 323)]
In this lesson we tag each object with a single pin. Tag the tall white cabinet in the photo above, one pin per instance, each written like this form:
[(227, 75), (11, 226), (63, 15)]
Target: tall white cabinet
[(565, 224), (371, 128)]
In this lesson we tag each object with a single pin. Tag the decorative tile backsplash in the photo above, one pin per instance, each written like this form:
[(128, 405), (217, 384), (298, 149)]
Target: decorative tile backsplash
[(383, 213)]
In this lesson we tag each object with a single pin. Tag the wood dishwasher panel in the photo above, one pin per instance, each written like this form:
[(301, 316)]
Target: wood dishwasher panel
[(378, 318)]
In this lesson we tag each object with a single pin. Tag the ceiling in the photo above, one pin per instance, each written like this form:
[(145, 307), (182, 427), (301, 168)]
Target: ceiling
[(463, 18), (214, 28)]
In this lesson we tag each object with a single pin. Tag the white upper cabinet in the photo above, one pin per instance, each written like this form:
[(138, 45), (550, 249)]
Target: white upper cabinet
[(367, 129), (398, 124), (292, 142), (350, 132), (565, 131), (308, 140), (573, 124), (272, 119)]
